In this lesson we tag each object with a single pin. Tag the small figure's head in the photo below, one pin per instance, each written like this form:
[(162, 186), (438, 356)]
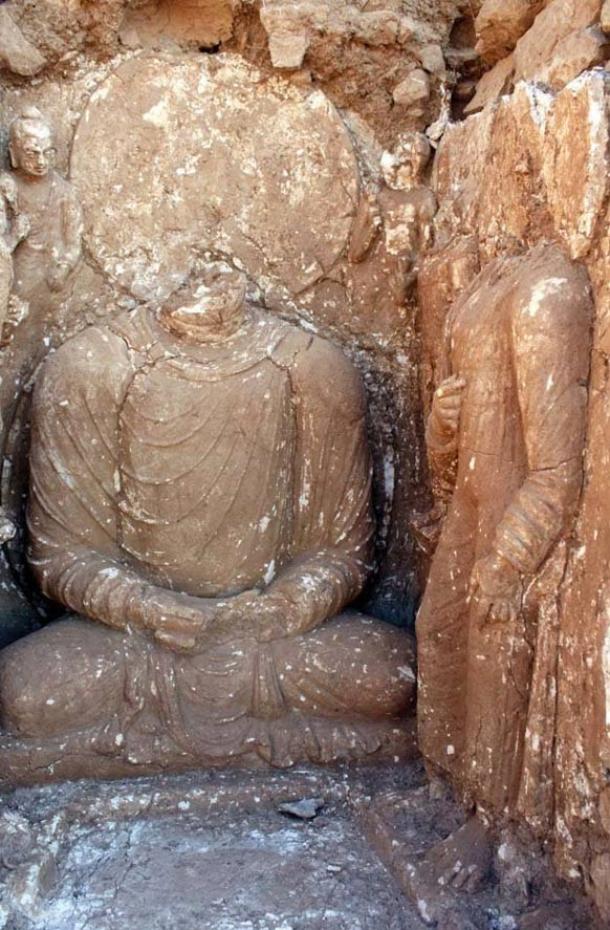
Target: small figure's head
[(31, 144), (210, 305), (404, 167)]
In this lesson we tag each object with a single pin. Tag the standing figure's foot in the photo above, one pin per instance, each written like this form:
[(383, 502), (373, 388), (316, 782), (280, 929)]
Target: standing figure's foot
[(463, 860)]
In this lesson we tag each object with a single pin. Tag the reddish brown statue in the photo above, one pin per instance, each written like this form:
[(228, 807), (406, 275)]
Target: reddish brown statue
[(200, 498), (507, 426)]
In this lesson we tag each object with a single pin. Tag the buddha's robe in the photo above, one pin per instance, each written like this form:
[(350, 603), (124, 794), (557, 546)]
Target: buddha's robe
[(520, 338), (207, 470)]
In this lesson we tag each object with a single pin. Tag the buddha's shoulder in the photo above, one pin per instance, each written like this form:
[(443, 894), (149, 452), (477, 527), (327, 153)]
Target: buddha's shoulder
[(299, 347), (99, 347), (321, 368)]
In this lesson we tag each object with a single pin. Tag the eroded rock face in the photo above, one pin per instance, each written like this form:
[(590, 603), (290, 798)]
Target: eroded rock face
[(500, 25), (171, 153), (16, 53)]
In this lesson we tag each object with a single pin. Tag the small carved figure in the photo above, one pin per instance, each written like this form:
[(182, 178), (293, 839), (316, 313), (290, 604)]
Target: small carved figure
[(200, 497), (53, 245), (45, 236), (507, 428), (391, 230), (402, 214), (14, 227), (45, 257)]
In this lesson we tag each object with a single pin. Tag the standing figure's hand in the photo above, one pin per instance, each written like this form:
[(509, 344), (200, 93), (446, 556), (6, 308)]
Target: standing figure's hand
[(21, 229), (58, 274), (496, 590), (446, 407)]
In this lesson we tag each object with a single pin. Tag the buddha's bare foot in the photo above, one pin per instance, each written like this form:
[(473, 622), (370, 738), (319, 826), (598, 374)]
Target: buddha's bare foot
[(463, 860)]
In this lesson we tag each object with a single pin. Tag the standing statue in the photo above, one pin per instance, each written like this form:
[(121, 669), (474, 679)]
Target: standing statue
[(46, 241), (14, 227), (45, 256), (507, 426), (397, 224), (200, 498)]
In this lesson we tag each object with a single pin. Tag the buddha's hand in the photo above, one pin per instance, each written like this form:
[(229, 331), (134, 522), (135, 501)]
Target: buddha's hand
[(263, 616), (496, 590), (446, 408), (175, 620)]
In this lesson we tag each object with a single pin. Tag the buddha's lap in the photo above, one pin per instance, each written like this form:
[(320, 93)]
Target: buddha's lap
[(76, 666)]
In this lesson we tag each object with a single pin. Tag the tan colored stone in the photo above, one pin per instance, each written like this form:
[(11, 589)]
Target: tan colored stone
[(192, 22), (392, 230), (288, 51), (501, 23), (511, 207), (415, 89), (202, 151), (553, 24), (576, 160), (573, 55), (16, 53), (492, 85), (604, 19), (432, 58), (458, 169), (46, 240)]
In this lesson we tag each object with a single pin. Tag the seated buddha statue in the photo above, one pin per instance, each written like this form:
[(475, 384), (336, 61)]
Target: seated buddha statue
[(200, 502)]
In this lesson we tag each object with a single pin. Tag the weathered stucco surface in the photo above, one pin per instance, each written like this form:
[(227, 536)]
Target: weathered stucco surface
[(260, 130)]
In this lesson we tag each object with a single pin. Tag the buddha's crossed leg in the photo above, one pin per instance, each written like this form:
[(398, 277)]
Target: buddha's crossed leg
[(73, 674)]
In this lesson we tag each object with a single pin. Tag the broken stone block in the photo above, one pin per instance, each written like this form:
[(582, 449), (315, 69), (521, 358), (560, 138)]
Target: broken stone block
[(16, 53), (501, 23), (415, 89), (507, 204), (288, 50), (553, 24), (604, 18), (432, 59), (575, 166), (574, 54), (492, 85), (384, 27)]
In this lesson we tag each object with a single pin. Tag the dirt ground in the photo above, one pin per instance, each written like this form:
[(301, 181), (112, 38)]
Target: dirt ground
[(216, 851)]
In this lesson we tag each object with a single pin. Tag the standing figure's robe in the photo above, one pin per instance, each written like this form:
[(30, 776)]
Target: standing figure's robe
[(520, 338), (208, 470)]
